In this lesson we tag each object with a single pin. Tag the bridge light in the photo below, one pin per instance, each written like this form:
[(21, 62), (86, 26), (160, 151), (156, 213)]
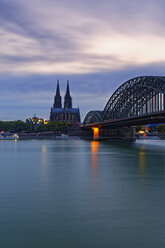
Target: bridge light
[(95, 133)]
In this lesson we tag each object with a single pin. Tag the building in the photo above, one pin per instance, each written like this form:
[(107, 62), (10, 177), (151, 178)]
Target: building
[(36, 121), (66, 113)]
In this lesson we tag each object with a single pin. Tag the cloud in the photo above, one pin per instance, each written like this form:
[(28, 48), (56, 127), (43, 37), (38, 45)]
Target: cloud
[(96, 44), (73, 37)]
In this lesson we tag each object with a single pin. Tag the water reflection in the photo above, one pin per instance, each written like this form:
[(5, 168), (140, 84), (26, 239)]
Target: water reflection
[(82, 189), (15, 145), (94, 157), (44, 163), (77, 145), (43, 157), (142, 160)]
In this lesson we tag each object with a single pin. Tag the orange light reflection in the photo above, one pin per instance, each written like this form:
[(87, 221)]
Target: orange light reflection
[(94, 157), (142, 161)]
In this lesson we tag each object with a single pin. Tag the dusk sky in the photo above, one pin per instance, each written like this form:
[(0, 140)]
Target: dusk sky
[(95, 44)]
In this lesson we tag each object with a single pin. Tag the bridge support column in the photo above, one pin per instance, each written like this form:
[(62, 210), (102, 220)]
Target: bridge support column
[(117, 134)]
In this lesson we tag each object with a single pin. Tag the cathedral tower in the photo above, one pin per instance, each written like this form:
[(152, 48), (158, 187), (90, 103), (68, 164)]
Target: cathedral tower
[(68, 98), (57, 98), (69, 114)]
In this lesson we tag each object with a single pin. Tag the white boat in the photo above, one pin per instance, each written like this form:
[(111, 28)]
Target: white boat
[(67, 137), (62, 137), (9, 136)]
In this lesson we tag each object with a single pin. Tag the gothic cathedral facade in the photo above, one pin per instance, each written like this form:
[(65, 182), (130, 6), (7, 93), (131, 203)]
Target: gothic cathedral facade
[(66, 113)]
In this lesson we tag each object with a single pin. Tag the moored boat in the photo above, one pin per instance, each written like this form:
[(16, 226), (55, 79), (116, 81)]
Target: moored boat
[(9, 136), (66, 137)]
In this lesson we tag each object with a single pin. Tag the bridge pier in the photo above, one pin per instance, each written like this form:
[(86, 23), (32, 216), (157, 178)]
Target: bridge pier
[(104, 133), (117, 134), (109, 134)]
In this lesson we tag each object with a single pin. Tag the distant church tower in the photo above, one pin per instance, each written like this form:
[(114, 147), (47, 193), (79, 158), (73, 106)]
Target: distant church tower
[(68, 98), (68, 113), (57, 98)]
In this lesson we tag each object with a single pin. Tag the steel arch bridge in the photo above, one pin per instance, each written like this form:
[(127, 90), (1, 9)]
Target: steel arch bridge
[(134, 99)]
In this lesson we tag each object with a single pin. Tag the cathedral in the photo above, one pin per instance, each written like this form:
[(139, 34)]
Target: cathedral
[(66, 113)]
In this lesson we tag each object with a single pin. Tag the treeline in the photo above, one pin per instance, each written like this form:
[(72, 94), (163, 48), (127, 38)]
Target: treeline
[(15, 126), (53, 126), (20, 126)]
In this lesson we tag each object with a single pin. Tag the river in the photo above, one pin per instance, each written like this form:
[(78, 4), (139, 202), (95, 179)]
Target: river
[(82, 194)]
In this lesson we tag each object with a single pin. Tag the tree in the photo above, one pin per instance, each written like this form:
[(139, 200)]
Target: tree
[(15, 126), (53, 126)]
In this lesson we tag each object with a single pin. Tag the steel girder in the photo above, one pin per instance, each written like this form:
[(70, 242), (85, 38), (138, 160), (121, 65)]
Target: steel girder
[(136, 97), (93, 117)]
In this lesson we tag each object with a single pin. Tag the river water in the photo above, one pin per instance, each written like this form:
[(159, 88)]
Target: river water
[(80, 194)]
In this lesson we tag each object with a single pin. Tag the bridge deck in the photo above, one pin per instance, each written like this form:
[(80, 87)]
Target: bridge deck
[(132, 121)]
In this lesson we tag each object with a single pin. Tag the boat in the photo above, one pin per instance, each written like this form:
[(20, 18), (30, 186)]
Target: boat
[(8, 136), (66, 137), (62, 137)]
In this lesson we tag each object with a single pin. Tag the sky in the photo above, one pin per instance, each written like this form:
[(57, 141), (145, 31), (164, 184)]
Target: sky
[(96, 45)]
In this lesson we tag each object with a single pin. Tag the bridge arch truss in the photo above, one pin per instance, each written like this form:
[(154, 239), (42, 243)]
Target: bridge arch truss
[(136, 97), (93, 117)]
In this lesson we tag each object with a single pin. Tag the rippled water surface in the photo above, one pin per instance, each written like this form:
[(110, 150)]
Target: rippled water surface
[(80, 194)]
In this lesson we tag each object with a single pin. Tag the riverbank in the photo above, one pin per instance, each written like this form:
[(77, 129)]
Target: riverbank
[(27, 136), (47, 136), (54, 136)]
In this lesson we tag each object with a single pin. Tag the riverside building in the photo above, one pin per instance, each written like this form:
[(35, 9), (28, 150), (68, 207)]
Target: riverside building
[(36, 121), (66, 113)]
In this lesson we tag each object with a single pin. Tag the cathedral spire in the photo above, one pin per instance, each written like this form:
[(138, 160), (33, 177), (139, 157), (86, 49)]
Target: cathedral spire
[(57, 98), (67, 89), (58, 89), (68, 98)]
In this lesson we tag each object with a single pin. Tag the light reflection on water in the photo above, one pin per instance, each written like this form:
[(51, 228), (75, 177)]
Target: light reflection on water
[(142, 160), (44, 154), (149, 143), (94, 158)]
